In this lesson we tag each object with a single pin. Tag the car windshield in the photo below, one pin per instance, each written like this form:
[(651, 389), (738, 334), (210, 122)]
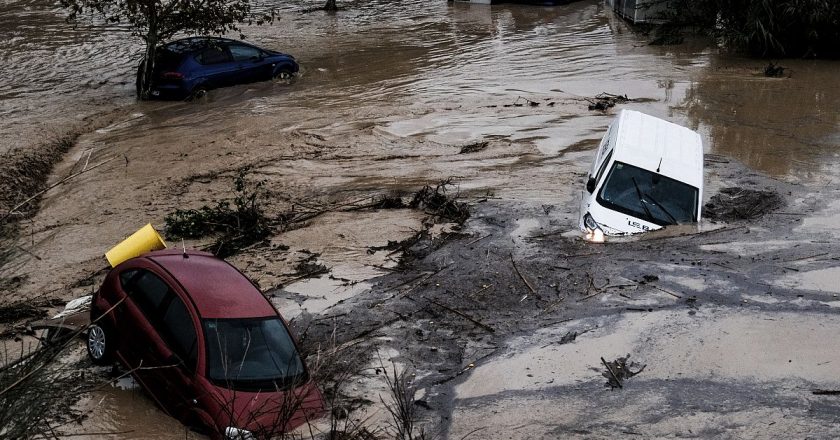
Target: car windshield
[(252, 353), (649, 196)]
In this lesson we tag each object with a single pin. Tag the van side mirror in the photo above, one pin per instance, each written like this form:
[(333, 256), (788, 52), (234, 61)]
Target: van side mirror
[(590, 184)]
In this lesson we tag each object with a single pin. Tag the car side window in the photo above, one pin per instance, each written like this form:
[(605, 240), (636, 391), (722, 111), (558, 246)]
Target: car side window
[(146, 289), (244, 53), (178, 331), (213, 55), (603, 166)]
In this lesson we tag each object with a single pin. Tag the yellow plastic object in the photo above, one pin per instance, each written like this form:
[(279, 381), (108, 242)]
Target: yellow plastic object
[(144, 240)]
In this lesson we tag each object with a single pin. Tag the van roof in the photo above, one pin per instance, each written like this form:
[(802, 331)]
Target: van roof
[(643, 140)]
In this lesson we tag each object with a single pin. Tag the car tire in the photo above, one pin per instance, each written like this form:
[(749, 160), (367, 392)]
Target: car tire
[(283, 75), (198, 92), (100, 344)]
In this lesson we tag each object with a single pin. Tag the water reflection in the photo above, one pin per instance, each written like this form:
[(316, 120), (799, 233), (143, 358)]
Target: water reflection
[(782, 126)]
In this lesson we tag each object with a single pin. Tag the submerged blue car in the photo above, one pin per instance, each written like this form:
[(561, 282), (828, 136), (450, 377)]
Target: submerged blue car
[(190, 67)]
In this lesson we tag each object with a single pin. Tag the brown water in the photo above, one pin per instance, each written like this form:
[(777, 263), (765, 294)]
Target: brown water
[(388, 92), (415, 55)]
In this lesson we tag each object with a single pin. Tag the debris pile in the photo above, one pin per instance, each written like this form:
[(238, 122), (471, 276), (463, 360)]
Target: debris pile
[(742, 204), (474, 147), (619, 370), (774, 71), (437, 203), (604, 101)]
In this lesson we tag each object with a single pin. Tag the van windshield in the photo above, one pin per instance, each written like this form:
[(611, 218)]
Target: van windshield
[(649, 196), (256, 353)]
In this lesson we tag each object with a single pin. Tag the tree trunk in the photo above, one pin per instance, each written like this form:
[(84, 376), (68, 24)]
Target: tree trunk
[(148, 66), (330, 6)]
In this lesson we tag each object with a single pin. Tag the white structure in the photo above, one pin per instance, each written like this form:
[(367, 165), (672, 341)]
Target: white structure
[(639, 11), (647, 173)]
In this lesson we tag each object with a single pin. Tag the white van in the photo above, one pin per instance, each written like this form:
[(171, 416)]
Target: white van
[(647, 173)]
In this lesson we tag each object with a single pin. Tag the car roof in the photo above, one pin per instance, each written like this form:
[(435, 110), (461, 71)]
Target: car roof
[(217, 289), (187, 45), (650, 143)]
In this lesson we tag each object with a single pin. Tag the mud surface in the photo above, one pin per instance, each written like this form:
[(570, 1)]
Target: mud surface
[(394, 96)]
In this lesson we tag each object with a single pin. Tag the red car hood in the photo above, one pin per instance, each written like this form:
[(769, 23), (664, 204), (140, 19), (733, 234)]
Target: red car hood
[(267, 414)]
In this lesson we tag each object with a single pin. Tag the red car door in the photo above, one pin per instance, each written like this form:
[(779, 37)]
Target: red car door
[(179, 342), (141, 347)]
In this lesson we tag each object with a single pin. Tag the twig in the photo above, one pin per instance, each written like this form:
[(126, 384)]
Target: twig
[(28, 252), (464, 315), (597, 292), (666, 291), (806, 258), (479, 291), (478, 239), (531, 288), (34, 196)]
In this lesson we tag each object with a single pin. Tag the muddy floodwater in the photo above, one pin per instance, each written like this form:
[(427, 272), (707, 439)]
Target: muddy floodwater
[(389, 93)]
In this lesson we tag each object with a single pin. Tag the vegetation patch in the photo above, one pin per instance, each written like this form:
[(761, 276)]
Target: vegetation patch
[(236, 225), (792, 28), (23, 174)]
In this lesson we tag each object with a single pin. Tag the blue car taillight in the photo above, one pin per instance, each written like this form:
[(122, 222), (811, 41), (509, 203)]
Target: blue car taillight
[(172, 75)]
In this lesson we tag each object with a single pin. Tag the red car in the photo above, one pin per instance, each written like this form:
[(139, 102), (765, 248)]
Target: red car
[(205, 343)]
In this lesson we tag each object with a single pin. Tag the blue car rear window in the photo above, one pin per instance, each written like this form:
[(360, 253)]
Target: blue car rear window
[(213, 55)]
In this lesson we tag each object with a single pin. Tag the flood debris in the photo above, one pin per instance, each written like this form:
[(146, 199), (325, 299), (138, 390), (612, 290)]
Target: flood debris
[(521, 102), (774, 71), (437, 203), (735, 203), (474, 147), (27, 309), (619, 370), (604, 101), (235, 227), (820, 392)]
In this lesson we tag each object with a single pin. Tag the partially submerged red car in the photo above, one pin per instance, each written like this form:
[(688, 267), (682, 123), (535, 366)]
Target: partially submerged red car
[(205, 343)]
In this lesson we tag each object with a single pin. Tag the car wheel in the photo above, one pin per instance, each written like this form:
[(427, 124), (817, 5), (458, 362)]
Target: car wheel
[(284, 76), (198, 92), (100, 344)]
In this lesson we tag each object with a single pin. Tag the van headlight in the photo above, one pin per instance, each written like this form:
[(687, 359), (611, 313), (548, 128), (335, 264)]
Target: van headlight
[(232, 433), (594, 233), (590, 222)]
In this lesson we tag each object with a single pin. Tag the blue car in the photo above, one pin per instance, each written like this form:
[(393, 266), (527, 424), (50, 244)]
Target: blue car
[(190, 67)]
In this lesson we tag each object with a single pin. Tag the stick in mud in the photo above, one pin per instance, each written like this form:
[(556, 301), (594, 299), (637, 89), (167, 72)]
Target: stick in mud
[(617, 380), (464, 315), (531, 288)]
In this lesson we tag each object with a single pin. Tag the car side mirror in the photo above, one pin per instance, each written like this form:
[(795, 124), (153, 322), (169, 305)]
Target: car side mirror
[(590, 184)]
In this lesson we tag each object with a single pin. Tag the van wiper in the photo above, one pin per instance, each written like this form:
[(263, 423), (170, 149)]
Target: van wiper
[(642, 201), (660, 206)]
